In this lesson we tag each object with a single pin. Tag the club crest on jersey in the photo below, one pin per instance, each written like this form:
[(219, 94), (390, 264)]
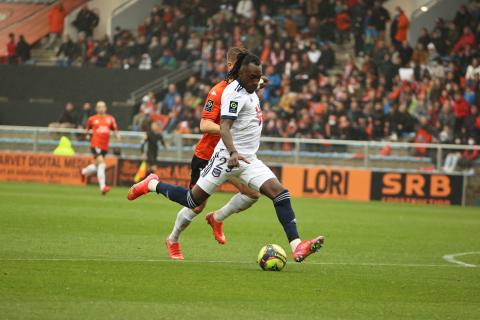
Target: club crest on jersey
[(233, 107), (208, 106)]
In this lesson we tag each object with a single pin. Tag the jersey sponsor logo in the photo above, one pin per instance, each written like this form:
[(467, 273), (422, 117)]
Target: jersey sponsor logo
[(233, 107), (208, 106), (213, 93)]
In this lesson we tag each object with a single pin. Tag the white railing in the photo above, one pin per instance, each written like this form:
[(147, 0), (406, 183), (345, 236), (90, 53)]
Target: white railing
[(398, 155)]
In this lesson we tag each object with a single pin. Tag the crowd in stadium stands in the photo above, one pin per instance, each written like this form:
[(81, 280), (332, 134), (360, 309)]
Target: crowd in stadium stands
[(388, 89)]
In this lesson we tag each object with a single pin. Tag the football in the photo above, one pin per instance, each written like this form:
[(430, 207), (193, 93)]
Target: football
[(272, 257)]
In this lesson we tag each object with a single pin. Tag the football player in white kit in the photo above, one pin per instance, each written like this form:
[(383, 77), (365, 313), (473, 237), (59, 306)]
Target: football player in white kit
[(235, 157)]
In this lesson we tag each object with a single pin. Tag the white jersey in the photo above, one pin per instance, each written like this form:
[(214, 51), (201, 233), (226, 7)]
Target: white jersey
[(244, 109)]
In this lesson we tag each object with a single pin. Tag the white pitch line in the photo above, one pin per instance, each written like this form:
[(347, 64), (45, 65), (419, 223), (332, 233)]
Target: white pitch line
[(371, 264), (452, 258)]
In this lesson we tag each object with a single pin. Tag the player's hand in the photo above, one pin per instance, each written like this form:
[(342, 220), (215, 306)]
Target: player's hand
[(234, 161), (144, 156)]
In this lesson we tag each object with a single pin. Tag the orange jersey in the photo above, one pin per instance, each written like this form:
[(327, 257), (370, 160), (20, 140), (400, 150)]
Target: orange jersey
[(101, 127), (211, 111)]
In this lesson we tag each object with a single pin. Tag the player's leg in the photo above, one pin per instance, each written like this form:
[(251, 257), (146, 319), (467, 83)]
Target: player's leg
[(241, 201), (261, 177), (101, 173), (212, 176), (183, 196), (91, 168), (185, 215), (238, 203)]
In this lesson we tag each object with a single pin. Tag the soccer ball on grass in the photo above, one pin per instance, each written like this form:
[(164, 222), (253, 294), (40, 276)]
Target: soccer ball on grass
[(272, 257)]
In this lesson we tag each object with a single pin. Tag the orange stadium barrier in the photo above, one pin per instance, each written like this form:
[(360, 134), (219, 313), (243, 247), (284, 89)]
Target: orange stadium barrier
[(328, 183), (302, 181), (48, 168)]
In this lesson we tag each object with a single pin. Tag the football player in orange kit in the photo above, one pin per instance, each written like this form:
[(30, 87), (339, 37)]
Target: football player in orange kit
[(100, 125)]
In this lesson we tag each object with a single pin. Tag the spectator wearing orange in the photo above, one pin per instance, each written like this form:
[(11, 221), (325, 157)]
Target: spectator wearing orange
[(56, 17), (343, 23), (402, 26)]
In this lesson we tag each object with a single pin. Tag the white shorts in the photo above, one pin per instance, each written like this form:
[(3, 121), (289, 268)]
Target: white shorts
[(253, 174)]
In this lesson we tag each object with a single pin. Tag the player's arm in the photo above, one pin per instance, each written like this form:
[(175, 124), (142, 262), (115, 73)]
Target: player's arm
[(226, 134), (209, 126), (232, 103), (88, 128), (225, 126), (210, 113), (115, 130), (162, 141), (143, 146)]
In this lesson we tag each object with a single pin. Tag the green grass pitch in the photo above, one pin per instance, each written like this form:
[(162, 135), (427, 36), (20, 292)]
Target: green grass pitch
[(69, 253)]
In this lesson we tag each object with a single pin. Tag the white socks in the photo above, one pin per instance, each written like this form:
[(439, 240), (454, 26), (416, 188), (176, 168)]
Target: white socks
[(152, 185), (237, 203), (184, 217), (294, 244), (101, 175), (91, 168)]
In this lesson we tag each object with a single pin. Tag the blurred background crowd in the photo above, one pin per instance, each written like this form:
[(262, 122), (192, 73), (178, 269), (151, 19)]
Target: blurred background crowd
[(382, 88)]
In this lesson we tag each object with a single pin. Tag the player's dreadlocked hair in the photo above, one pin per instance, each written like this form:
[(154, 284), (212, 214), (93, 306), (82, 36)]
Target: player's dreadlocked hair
[(243, 59)]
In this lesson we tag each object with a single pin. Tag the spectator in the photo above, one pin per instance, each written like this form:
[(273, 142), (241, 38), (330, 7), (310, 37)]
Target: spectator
[(380, 17), (170, 99), (402, 26), (402, 123), (424, 134), (86, 21), (461, 109), (22, 50), (344, 23), (67, 52), (145, 63), (420, 55), (56, 17), (463, 18), (244, 8), (467, 39), (473, 72), (11, 49), (370, 37), (68, 118), (87, 112), (377, 120), (424, 37), (405, 52), (468, 157)]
